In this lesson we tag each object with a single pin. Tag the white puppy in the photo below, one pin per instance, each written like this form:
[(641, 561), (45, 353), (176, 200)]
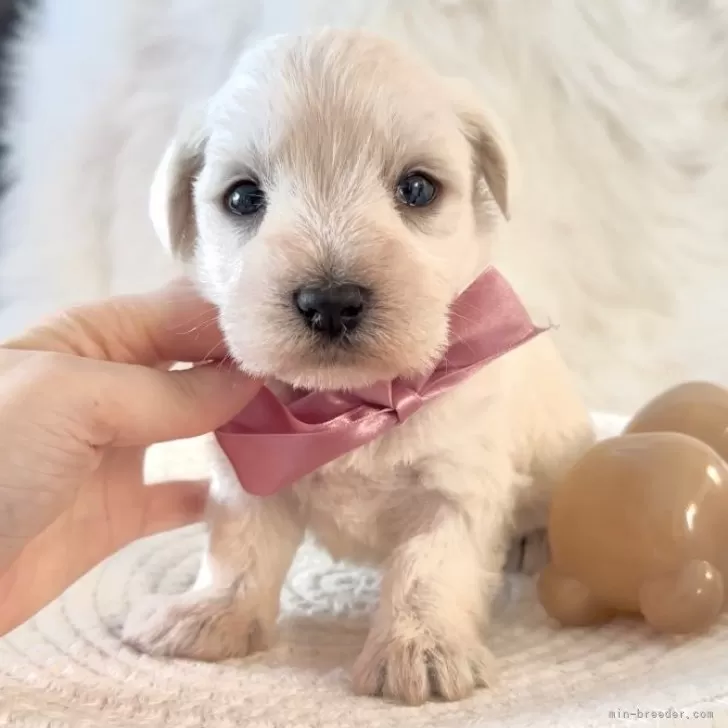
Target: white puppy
[(297, 173)]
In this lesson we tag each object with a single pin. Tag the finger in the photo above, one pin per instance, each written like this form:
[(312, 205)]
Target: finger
[(173, 504), (140, 406), (171, 324)]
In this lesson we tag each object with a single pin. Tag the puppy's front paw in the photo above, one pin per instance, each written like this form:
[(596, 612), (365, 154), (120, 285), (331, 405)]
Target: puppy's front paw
[(198, 626), (412, 666)]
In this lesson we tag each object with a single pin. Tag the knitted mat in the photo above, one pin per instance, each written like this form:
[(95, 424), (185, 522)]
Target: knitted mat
[(66, 667)]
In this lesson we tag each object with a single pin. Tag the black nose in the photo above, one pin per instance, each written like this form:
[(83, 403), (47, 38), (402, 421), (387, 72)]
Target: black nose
[(332, 310)]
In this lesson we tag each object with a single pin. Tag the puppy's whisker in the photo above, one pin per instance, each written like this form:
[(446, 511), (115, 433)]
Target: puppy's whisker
[(226, 364)]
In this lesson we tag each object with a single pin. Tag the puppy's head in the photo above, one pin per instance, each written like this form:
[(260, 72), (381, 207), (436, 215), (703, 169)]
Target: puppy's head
[(333, 202)]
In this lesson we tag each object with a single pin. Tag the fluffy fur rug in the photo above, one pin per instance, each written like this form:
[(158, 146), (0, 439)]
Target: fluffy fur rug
[(618, 112)]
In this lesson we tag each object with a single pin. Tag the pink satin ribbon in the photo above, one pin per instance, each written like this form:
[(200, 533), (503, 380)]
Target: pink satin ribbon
[(271, 445)]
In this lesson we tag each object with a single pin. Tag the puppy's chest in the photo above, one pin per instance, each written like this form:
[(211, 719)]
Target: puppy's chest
[(356, 509), (360, 505)]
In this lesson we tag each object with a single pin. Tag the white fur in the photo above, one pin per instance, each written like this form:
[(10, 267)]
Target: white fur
[(327, 125), (617, 111)]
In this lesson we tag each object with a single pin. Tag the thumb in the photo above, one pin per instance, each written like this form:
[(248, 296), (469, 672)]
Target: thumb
[(142, 406)]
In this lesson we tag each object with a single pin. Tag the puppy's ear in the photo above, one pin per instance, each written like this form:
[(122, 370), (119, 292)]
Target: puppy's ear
[(490, 146), (171, 201)]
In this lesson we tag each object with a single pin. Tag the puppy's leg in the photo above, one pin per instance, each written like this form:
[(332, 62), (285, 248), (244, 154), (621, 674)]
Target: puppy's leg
[(232, 609), (426, 639), (554, 431)]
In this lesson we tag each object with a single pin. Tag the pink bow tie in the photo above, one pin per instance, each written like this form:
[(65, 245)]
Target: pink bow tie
[(271, 445)]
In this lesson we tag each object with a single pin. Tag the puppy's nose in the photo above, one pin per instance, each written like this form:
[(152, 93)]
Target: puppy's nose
[(332, 310)]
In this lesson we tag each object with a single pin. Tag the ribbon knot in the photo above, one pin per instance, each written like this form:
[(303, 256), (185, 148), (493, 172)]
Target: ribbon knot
[(407, 401), (271, 445)]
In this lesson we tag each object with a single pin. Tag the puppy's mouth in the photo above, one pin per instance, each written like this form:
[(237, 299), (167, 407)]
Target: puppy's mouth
[(337, 336)]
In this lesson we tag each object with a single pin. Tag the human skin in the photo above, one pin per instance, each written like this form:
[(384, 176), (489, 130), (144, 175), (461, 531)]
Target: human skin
[(81, 398)]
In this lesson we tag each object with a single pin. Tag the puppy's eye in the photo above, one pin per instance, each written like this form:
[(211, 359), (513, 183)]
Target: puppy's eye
[(416, 190), (244, 198)]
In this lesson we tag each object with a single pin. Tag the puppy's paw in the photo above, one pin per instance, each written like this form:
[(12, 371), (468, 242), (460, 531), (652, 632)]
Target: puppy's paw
[(197, 626), (414, 667)]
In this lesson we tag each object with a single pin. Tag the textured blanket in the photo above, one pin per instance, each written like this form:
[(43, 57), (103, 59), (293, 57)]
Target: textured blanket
[(67, 667)]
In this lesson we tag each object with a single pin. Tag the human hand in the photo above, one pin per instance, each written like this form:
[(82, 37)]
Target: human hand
[(80, 399)]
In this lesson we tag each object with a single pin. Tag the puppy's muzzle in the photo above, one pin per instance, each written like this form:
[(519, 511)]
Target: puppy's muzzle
[(334, 310)]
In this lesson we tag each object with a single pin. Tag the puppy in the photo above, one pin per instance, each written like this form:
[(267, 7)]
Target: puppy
[(300, 172)]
